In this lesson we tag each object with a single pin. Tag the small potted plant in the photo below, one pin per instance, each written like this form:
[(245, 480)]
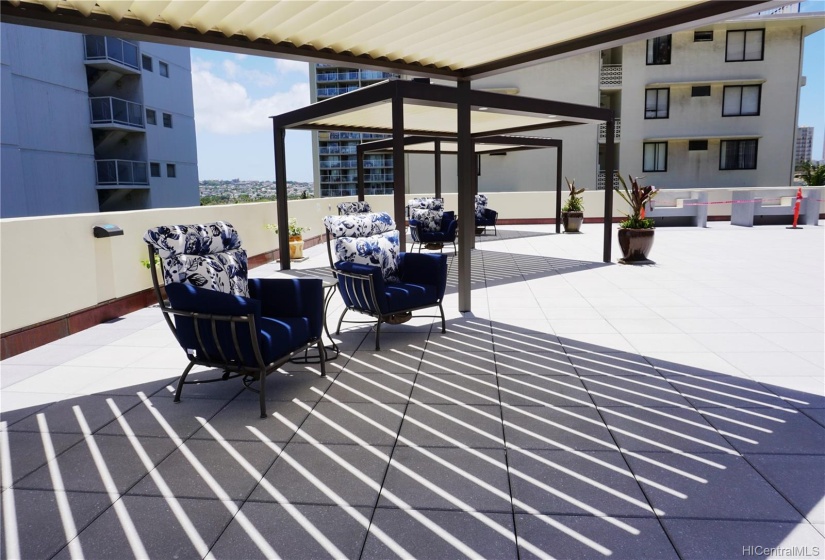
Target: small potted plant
[(636, 232), (296, 238), (572, 213)]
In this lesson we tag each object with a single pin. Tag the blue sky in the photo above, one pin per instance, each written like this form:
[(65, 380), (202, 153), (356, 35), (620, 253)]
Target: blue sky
[(236, 94)]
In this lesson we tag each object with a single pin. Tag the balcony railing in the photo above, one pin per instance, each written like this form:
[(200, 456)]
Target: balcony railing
[(113, 110), (337, 150), (121, 172), (112, 49), (331, 92), (617, 131), (600, 180), (611, 75)]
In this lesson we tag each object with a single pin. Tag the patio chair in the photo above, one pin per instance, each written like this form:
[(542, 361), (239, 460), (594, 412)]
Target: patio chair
[(432, 234), (245, 327), (357, 207), (485, 217), (375, 278)]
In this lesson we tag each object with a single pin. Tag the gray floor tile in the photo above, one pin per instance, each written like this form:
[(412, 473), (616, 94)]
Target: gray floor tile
[(285, 386), (463, 534), (446, 481), (159, 530), (816, 414), (395, 360), (608, 390), (27, 454), (525, 340), (285, 475), (449, 388), (439, 361), (185, 480), (338, 415), (809, 394), (536, 363), (384, 387), (10, 417), (50, 355), (237, 421), (290, 538), (571, 484), (461, 340), (713, 391), (715, 486), (574, 537), (182, 417), (40, 528), (780, 431), (703, 539), (543, 390), (219, 390), (61, 416), (12, 373), (476, 426), (799, 478), (651, 429), (81, 473), (533, 427)]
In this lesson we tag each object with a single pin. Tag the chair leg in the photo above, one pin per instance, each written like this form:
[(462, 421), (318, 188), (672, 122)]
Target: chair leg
[(378, 335), (322, 353), (443, 321), (182, 380), (262, 394), (341, 320)]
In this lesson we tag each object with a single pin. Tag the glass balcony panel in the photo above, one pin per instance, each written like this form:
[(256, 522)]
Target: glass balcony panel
[(95, 46), (113, 49), (121, 172)]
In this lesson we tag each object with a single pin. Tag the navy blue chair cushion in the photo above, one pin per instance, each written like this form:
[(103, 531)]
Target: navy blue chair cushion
[(488, 219), (291, 297), (425, 269), (405, 295)]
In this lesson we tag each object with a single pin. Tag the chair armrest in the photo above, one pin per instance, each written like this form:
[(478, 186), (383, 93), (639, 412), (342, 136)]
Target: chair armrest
[(449, 228), (415, 230), (362, 286), (186, 297), (291, 297), (418, 268), (491, 215)]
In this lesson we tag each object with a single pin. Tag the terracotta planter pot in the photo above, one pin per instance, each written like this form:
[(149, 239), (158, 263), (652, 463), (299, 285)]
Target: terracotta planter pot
[(572, 221), (296, 247), (635, 244)]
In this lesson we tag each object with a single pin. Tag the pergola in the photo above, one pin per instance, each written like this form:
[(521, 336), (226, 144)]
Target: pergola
[(448, 39)]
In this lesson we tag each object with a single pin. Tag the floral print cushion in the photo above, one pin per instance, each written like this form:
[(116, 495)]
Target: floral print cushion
[(195, 239), (357, 207), (359, 225), (380, 250), (430, 219), (222, 272), (427, 203), (481, 204)]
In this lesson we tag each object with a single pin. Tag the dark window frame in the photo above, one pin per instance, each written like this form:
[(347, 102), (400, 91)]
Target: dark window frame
[(656, 111), (146, 63), (699, 91), (659, 58), (154, 169), (744, 49), (151, 117), (163, 69), (739, 144), (697, 145), (655, 158), (171, 170), (741, 97), (170, 125), (702, 36)]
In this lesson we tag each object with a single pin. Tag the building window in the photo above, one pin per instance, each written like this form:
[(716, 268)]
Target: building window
[(657, 102), (702, 36), (697, 145), (163, 69), (151, 117), (658, 50), (170, 170), (655, 156), (748, 44), (738, 154), (154, 169), (700, 91), (147, 62), (167, 120), (741, 101)]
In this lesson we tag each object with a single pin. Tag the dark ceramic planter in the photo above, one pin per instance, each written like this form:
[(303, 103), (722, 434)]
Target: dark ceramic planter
[(572, 221), (635, 244)]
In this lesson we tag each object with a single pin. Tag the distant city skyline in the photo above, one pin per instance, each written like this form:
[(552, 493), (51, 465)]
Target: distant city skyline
[(235, 95)]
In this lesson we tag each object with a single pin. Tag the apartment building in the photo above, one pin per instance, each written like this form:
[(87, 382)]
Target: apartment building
[(804, 144), (93, 123), (714, 106), (334, 156)]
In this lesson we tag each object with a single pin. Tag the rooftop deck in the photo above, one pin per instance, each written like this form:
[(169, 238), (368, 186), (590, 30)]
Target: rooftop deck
[(583, 410)]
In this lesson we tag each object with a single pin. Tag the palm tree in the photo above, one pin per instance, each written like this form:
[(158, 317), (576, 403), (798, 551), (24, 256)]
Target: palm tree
[(812, 173)]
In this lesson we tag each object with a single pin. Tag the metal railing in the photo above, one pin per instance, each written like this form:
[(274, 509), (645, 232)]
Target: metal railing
[(121, 172), (617, 131), (332, 92), (610, 75), (337, 150), (113, 110), (112, 48)]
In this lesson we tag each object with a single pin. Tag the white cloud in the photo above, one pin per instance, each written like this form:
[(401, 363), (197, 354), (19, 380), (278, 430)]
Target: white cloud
[(225, 107), (285, 66)]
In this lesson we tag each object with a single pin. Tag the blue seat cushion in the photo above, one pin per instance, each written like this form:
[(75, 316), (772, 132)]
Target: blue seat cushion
[(282, 335), (406, 295)]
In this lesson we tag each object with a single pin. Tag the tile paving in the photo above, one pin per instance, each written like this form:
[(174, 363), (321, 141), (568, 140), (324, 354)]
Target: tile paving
[(582, 410)]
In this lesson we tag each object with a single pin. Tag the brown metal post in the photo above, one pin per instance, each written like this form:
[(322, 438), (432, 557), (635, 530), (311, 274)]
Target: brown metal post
[(281, 197), (398, 167), (466, 210), (360, 158), (437, 142), (610, 164), (558, 189)]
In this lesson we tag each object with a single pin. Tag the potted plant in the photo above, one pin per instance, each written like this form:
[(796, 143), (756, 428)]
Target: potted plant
[(572, 213), (636, 232), (296, 238)]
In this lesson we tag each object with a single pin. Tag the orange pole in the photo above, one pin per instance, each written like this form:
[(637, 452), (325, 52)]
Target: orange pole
[(796, 206)]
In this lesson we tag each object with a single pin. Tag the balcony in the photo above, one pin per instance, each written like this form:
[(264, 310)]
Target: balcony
[(111, 53), (121, 172), (617, 131), (113, 113), (610, 76), (332, 92)]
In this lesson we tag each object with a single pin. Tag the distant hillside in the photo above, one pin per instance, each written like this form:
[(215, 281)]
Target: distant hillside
[(220, 191)]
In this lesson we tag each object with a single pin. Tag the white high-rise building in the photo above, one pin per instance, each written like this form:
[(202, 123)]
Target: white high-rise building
[(93, 123), (804, 144)]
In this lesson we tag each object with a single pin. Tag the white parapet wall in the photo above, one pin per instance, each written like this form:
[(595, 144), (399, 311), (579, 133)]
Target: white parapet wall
[(53, 266)]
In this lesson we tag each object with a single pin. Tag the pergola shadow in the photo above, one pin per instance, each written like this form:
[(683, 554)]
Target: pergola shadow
[(490, 440)]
